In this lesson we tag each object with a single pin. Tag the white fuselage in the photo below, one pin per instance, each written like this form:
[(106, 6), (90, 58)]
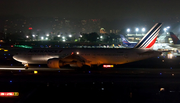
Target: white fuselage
[(95, 56)]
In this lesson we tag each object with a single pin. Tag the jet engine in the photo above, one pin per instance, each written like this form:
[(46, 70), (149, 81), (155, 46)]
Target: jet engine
[(76, 64), (54, 63)]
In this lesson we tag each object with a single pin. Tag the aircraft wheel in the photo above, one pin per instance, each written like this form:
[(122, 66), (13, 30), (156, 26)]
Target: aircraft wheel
[(26, 67)]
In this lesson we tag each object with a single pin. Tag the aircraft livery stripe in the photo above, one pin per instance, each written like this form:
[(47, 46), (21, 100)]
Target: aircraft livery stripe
[(144, 41), (146, 34), (149, 35), (150, 39), (152, 43), (155, 36)]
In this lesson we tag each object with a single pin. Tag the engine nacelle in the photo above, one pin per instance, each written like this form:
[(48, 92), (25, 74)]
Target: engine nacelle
[(76, 64), (54, 63)]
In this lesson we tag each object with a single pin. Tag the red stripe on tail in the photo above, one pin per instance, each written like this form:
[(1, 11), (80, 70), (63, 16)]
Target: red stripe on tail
[(152, 43)]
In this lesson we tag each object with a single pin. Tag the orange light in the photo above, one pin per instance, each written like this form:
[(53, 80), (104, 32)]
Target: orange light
[(108, 66), (9, 93)]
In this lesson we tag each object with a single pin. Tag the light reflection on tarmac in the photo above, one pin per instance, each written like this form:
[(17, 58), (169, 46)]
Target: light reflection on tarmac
[(21, 68)]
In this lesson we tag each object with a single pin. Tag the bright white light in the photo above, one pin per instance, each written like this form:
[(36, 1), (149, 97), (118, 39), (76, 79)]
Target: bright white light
[(168, 27), (128, 30), (27, 36), (143, 29), (170, 56), (46, 38), (64, 40), (33, 35), (165, 29), (63, 37), (47, 34), (80, 35), (58, 35), (77, 53), (137, 29), (70, 36), (42, 37), (101, 37)]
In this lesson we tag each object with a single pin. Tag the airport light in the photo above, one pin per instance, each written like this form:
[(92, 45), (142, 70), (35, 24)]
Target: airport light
[(47, 34), (143, 29), (35, 72), (80, 35), (63, 37), (42, 38), (128, 30), (168, 27), (46, 38), (6, 94), (27, 36), (64, 40), (137, 29), (101, 37), (70, 36), (58, 35), (33, 35), (165, 29)]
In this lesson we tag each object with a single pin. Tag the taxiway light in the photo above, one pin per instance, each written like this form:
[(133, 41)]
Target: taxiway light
[(9, 94), (5, 50), (35, 72), (161, 89)]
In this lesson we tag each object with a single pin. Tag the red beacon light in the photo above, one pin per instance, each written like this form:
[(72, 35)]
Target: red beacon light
[(30, 28)]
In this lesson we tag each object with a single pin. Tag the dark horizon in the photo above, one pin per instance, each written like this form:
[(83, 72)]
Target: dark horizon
[(116, 9)]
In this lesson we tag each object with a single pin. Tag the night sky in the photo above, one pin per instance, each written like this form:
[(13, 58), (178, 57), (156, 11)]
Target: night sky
[(92, 8)]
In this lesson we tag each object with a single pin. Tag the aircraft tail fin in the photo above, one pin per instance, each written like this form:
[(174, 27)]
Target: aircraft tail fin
[(124, 40), (174, 38), (148, 41)]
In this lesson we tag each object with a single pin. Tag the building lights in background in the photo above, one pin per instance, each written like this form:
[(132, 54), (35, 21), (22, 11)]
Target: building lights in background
[(128, 30), (137, 29), (143, 29)]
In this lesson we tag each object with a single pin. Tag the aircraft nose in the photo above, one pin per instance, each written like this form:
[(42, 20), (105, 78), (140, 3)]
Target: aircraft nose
[(15, 57)]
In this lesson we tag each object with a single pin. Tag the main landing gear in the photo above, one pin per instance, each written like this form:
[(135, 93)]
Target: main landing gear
[(26, 66)]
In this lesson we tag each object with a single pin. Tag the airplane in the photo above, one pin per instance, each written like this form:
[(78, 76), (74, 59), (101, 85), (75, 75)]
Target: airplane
[(79, 57), (127, 43), (176, 41)]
